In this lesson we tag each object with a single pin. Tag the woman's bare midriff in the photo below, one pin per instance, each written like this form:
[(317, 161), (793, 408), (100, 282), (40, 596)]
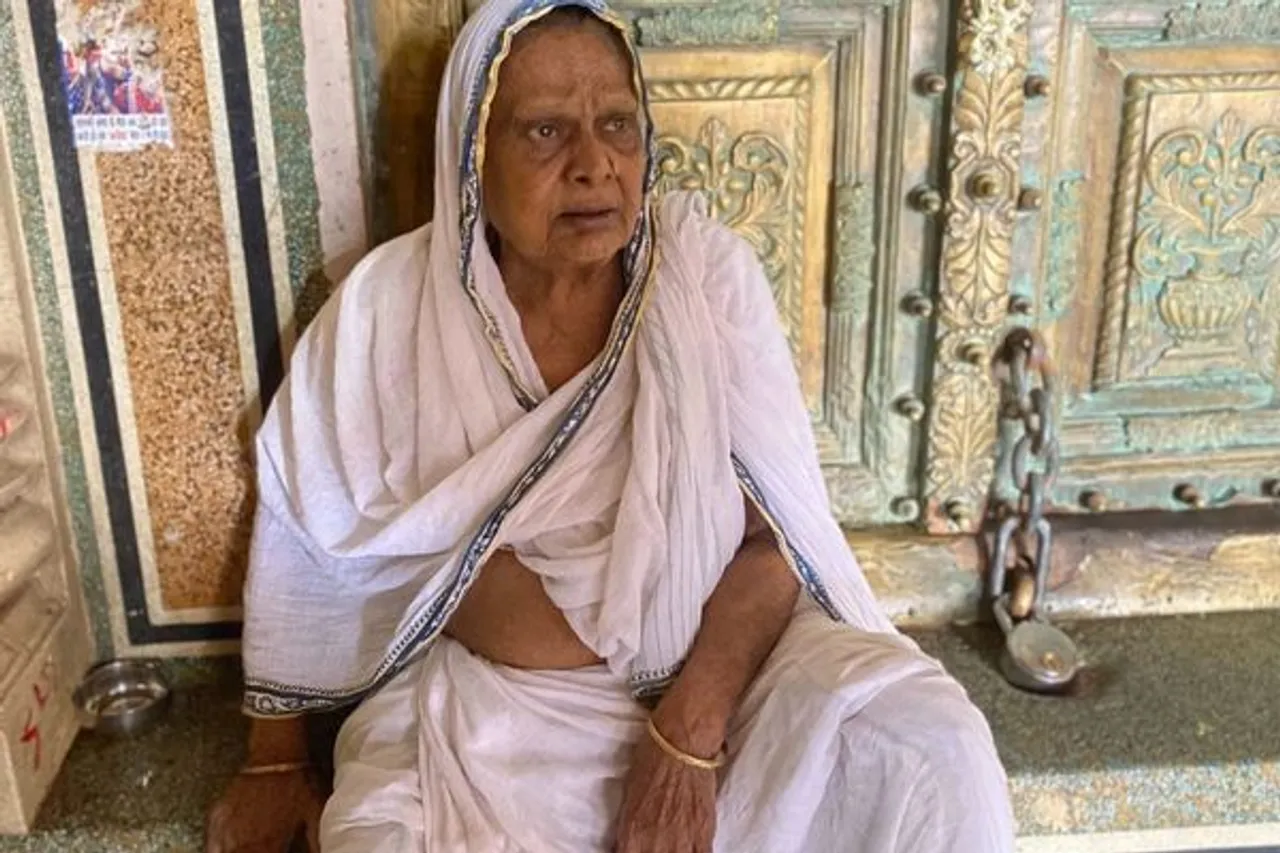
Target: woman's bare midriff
[(508, 618)]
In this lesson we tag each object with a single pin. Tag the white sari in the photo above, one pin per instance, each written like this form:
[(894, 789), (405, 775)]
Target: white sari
[(415, 436)]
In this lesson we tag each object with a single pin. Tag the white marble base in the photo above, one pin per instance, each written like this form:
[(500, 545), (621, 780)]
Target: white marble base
[(39, 669), (44, 639)]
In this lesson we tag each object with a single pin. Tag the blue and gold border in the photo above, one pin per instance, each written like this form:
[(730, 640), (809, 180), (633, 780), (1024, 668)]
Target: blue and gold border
[(649, 683), (799, 564)]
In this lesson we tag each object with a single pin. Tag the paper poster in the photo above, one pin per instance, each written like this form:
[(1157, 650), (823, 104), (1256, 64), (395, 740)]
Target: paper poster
[(111, 75)]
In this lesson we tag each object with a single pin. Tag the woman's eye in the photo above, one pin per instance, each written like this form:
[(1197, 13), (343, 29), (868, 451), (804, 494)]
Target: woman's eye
[(618, 124), (545, 131)]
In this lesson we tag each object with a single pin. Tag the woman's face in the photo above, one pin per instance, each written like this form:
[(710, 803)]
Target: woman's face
[(564, 152)]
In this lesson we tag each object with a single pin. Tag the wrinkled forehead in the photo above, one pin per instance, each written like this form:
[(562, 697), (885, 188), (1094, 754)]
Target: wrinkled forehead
[(487, 40), (549, 56), (525, 18)]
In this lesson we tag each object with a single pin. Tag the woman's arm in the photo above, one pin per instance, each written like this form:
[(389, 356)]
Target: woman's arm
[(670, 805), (741, 622)]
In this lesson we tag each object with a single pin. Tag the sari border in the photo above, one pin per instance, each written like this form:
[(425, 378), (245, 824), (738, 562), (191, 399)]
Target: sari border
[(647, 684), (654, 682), (470, 164), (798, 563)]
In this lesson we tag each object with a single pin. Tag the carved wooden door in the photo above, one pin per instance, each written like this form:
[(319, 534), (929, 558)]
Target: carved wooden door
[(801, 124), (1106, 172), (806, 124), (1155, 263)]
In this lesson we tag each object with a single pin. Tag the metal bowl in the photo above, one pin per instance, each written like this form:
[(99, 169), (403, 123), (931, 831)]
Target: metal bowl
[(123, 697)]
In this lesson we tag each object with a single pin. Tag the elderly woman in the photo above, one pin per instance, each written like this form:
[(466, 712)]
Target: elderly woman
[(541, 496)]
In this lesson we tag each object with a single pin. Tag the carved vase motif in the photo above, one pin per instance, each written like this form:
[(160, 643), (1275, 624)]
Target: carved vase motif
[(1203, 308), (1209, 240)]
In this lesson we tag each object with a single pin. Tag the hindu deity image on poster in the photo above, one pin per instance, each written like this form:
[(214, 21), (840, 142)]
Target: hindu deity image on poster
[(111, 75)]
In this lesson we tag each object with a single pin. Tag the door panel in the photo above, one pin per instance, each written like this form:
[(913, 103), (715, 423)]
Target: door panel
[(751, 132), (800, 129), (1158, 261)]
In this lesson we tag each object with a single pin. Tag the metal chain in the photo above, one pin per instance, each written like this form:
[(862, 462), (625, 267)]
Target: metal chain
[(1030, 463)]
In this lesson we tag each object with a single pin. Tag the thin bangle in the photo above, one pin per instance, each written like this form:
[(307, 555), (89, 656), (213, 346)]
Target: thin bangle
[(275, 769), (680, 755)]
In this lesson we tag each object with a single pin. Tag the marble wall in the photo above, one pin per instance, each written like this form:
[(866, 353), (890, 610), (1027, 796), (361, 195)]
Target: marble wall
[(170, 280)]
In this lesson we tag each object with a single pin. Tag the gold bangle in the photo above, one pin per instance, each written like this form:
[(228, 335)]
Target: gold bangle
[(275, 769), (680, 755)]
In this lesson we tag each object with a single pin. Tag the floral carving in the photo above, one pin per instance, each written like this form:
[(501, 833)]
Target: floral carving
[(698, 26), (1062, 270), (991, 31), (1207, 250), (854, 257), (745, 180), (985, 150), (960, 434)]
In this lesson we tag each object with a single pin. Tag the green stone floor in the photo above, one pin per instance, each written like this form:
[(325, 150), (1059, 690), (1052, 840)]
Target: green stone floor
[(1175, 724)]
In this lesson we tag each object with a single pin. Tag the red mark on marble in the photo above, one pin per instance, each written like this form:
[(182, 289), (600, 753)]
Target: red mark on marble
[(42, 691), (8, 423), (31, 735)]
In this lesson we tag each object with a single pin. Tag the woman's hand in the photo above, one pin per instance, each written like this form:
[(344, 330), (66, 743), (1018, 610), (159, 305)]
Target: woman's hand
[(667, 806), (263, 814)]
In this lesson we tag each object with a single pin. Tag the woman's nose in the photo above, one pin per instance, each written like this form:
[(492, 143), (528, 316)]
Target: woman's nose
[(592, 162)]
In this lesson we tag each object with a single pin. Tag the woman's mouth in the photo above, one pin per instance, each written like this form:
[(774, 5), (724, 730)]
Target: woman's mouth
[(589, 219)]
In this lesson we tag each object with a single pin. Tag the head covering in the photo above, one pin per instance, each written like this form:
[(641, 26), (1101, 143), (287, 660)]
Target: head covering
[(414, 437), (471, 82)]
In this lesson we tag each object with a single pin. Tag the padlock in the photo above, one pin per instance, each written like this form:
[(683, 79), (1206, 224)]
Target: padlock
[(1037, 656)]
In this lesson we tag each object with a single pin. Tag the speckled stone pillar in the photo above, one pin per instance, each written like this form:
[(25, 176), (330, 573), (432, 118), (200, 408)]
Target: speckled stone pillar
[(44, 644)]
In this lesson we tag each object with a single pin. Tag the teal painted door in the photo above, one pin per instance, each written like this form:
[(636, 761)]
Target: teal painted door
[(1155, 263), (808, 126)]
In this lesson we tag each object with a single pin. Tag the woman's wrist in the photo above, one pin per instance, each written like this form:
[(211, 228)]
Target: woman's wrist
[(695, 728), (277, 742), (712, 762)]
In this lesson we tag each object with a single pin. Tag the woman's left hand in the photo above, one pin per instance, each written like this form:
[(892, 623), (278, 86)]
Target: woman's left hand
[(667, 806)]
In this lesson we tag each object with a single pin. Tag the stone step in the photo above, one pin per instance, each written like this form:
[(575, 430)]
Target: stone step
[(1103, 566), (1169, 743)]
